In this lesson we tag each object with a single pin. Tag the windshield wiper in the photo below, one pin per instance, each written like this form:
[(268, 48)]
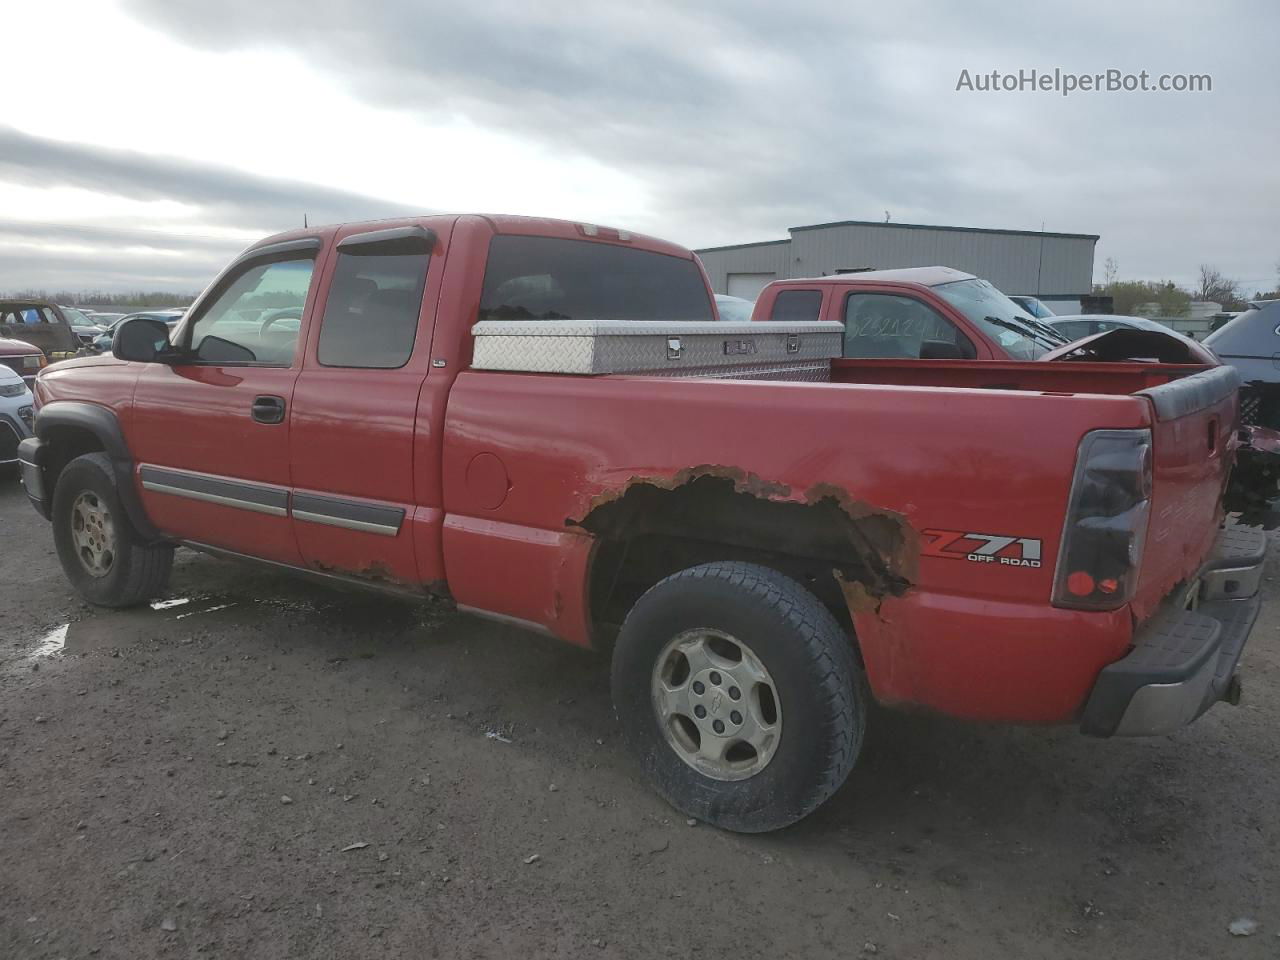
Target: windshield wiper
[(1047, 329), (1025, 330)]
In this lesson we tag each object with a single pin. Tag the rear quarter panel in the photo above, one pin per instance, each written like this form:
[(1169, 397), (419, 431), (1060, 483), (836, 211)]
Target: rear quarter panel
[(968, 638)]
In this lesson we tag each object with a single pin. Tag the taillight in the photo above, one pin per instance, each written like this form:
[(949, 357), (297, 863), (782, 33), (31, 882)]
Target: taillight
[(1106, 524)]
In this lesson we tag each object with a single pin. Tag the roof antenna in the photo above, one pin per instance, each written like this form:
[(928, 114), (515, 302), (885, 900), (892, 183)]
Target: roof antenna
[(304, 221), (886, 216)]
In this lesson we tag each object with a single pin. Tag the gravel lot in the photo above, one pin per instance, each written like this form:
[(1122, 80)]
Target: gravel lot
[(268, 769)]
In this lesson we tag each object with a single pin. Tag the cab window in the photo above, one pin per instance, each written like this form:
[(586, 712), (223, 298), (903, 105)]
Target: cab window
[(797, 306), (1074, 329), (548, 278), (887, 325), (256, 317), (371, 317)]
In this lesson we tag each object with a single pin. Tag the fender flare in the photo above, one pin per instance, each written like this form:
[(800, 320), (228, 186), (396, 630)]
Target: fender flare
[(103, 424)]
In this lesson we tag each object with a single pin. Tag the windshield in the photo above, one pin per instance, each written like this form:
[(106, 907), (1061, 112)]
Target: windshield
[(999, 318), (77, 318)]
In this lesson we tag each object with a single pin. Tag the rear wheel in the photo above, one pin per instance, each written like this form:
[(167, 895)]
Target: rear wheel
[(101, 554), (740, 694)]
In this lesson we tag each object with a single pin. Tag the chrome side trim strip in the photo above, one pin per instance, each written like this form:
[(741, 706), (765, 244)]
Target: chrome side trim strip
[(377, 518), (379, 528), (380, 518), (214, 498), (209, 488)]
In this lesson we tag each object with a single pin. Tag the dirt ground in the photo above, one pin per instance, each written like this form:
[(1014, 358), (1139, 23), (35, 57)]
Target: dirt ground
[(266, 769)]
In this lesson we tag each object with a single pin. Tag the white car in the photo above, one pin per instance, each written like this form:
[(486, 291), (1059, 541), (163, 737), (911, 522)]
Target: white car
[(17, 415), (1080, 325), (734, 309)]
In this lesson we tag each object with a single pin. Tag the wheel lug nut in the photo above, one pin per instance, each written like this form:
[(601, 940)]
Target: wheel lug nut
[(698, 688), (735, 693), (735, 716), (714, 678), (718, 726), (701, 712)]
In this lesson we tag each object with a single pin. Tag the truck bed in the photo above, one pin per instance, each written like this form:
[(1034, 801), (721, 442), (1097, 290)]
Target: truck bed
[(987, 457)]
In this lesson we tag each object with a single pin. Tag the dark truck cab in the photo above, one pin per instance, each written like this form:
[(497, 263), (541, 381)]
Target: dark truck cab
[(39, 324)]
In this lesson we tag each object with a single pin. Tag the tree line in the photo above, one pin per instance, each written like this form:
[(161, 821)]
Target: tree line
[(99, 298), (1172, 300)]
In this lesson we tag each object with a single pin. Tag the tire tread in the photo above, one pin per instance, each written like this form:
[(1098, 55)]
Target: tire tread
[(147, 565), (821, 639)]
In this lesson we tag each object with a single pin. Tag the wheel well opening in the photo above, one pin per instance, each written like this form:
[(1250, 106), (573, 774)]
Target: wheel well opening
[(65, 444), (848, 555)]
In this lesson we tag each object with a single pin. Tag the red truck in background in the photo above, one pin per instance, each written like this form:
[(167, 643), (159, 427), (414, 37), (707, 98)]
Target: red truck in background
[(937, 313), (1027, 542)]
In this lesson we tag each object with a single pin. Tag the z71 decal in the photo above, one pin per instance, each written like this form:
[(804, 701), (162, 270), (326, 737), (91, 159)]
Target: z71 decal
[(982, 548)]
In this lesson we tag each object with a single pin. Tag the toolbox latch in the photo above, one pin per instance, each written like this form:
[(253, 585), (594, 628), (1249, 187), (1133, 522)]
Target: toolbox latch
[(793, 343), (673, 348)]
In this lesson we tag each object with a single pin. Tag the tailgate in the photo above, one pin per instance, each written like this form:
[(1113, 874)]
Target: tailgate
[(1193, 444)]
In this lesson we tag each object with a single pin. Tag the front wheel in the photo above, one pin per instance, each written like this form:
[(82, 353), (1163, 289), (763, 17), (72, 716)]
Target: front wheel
[(740, 694), (103, 557)]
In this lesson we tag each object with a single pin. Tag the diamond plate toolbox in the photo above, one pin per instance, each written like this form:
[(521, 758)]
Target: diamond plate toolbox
[(752, 350)]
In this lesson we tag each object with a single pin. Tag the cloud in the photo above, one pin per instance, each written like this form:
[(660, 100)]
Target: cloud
[(223, 196), (739, 119), (745, 118), (182, 255)]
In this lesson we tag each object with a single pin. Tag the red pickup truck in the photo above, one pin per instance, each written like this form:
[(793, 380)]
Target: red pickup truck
[(1028, 542), (937, 313)]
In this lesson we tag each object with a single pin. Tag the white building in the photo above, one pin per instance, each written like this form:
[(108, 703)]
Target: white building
[(1056, 267)]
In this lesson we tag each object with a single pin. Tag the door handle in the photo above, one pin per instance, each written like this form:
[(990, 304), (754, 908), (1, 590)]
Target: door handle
[(268, 409)]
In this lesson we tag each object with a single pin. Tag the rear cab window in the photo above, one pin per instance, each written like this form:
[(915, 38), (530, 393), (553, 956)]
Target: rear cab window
[(555, 279), (797, 306)]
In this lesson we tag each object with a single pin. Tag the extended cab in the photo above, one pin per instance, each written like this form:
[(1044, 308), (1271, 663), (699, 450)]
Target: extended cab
[(1027, 542)]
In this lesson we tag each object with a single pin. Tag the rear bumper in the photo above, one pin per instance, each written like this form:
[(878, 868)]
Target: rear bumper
[(1184, 659)]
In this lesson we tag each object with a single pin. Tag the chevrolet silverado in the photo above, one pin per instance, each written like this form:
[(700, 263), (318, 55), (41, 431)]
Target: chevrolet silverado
[(764, 555)]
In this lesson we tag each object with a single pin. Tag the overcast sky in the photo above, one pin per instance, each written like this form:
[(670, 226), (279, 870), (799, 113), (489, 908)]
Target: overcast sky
[(149, 140)]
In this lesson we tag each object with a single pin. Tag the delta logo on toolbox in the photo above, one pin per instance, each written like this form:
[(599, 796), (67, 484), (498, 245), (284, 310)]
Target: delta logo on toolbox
[(983, 548)]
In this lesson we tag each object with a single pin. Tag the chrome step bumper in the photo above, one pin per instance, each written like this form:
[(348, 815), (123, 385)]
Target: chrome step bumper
[(1184, 660)]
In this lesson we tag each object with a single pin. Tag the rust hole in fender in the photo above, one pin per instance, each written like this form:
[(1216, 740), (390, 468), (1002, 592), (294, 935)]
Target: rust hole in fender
[(856, 553)]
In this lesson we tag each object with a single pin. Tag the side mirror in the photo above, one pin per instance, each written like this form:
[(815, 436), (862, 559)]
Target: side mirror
[(141, 340)]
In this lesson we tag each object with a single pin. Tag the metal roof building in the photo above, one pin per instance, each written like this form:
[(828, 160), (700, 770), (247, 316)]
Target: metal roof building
[(1051, 266)]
